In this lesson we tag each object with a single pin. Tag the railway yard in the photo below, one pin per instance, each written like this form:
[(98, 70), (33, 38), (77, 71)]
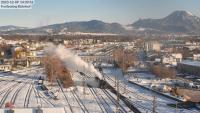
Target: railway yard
[(28, 90), (21, 88)]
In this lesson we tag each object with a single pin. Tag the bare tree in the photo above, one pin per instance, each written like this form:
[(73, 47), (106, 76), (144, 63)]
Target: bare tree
[(55, 69), (162, 71), (124, 58)]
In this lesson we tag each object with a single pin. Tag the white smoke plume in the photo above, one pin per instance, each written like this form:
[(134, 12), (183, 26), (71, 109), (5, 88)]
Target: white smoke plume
[(71, 61)]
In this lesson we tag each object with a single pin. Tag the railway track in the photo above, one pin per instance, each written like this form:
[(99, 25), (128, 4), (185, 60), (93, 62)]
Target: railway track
[(36, 92), (39, 96), (99, 102), (101, 98), (149, 104), (28, 94), (128, 90), (9, 90), (136, 104), (79, 101), (113, 100), (3, 84), (60, 86), (14, 97), (39, 101), (46, 100), (21, 81), (108, 108), (4, 90), (136, 96)]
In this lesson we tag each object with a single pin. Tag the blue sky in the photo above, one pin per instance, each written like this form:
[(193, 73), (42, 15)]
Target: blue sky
[(46, 12)]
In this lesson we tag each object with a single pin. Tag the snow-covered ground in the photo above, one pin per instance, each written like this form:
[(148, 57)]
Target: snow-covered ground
[(21, 88), (141, 98), (150, 81)]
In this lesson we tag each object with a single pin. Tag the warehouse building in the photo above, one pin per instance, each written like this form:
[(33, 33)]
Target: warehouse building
[(189, 67)]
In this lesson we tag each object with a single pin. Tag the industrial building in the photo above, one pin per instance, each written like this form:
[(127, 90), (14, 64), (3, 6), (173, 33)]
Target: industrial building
[(189, 67)]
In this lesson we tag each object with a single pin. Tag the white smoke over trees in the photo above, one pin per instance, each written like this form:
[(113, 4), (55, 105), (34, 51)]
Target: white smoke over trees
[(71, 61), (55, 69)]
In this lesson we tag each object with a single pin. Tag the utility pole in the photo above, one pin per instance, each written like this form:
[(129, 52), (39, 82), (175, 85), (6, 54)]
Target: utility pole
[(52, 76), (176, 107), (114, 63), (83, 86), (154, 104), (84, 77), (123, 69), (117, 101), (115, 81), (115, 67)]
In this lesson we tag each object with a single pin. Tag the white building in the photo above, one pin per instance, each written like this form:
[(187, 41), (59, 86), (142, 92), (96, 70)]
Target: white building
[(152, 46), (196, 56), (5, 67), (172, 59), (177, 56)]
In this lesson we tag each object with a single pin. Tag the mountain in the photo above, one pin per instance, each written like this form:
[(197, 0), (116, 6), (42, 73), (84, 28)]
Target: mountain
[(176, 22), (93, 26), (10, 28)]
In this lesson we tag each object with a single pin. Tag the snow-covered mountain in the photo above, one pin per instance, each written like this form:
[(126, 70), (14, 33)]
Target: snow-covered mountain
[(93, 26), (178, 21)]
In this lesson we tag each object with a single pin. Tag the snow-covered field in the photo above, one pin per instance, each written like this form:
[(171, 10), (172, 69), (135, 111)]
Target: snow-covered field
[(21, 88), (141, 98)]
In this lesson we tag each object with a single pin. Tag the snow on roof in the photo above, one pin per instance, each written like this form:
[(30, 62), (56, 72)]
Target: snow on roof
[(191, 63)]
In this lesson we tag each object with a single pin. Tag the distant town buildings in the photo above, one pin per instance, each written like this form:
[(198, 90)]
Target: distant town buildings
[(196, 56), (5, 67), (152, 46), (19, 53), (172, 59)]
